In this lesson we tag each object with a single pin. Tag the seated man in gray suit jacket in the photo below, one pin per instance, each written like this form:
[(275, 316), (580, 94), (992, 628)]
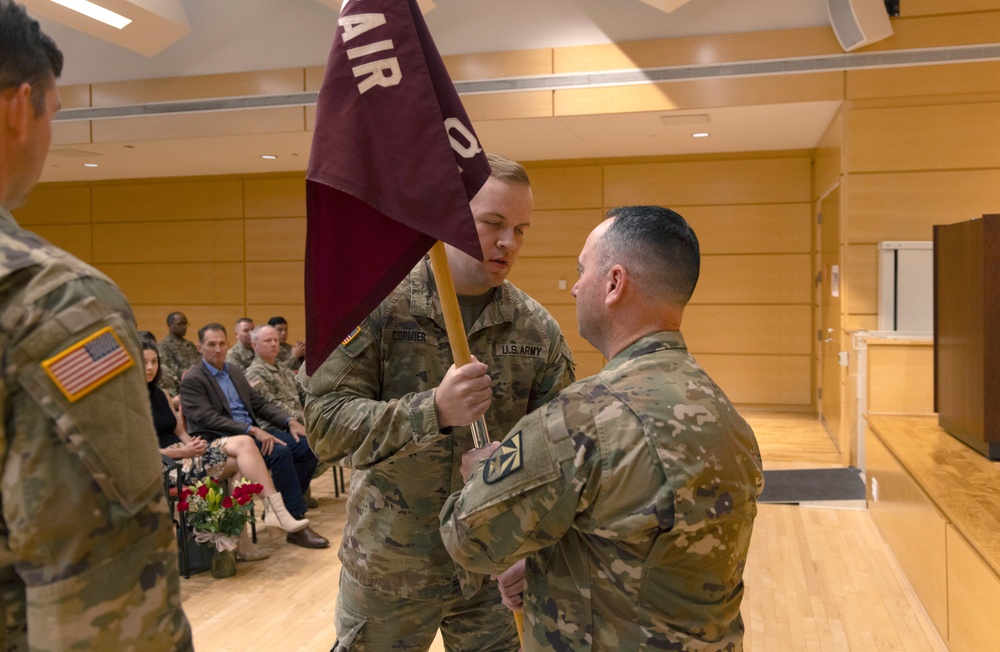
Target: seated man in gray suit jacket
[(217, 401)]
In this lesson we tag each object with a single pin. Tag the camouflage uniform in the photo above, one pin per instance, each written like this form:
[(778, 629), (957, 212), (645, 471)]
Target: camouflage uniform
[(278, 385), (177, 355), (632, 494), (87, 552), (285, 358), (370, 407), (240, 356)]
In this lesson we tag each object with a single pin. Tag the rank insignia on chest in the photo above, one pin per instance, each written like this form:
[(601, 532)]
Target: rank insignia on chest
[(504, 460)]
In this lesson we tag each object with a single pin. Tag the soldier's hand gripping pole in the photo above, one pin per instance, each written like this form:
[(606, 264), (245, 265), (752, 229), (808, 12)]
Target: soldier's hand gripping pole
[(456, 329)]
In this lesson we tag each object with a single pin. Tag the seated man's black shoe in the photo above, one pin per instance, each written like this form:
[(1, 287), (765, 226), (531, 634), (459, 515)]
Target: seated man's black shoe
[(307, 538)]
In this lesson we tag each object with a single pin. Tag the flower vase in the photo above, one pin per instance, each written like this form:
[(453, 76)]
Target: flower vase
[(224, 563)]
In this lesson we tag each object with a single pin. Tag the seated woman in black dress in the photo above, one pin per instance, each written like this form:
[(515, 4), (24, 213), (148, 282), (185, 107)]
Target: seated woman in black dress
[(221, 458)]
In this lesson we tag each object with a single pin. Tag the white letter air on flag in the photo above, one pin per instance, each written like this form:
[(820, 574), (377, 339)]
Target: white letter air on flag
[(88, 364)]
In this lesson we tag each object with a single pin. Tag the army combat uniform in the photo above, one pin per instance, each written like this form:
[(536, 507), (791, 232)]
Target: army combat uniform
[(278, 385), (240, 356), (177, 355), (632, 494), (285, 358), (87, 552), (370, 407)]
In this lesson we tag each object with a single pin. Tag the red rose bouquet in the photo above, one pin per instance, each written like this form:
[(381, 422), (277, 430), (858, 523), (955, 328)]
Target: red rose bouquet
[(215, 517)]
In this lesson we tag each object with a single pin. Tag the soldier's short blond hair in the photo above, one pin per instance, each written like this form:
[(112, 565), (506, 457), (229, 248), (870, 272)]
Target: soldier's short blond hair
[(504, 169)]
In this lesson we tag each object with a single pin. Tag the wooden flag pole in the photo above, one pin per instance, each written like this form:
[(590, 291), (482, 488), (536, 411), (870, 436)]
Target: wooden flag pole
[(461, 354), (456, 328)]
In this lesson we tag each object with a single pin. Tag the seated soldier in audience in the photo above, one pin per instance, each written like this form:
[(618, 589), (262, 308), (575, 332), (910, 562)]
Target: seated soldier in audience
[(177, 355), (288, 355), (241, 355), (277, 384)]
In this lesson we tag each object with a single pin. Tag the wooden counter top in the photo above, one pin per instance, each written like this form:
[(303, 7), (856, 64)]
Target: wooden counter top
[(963, 484)]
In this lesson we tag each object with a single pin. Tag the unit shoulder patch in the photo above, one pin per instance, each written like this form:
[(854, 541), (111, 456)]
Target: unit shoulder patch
[(504, 461)]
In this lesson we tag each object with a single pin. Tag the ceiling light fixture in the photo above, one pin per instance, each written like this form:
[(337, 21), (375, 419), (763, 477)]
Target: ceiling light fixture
[(90, 165), (268, 157), (96, 12), (700, 134)]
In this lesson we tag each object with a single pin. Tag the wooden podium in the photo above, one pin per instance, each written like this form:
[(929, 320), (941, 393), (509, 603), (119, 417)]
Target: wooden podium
[(967, 332)]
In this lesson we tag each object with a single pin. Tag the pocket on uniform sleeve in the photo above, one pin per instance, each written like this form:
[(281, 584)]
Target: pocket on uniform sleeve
[(108, 428)]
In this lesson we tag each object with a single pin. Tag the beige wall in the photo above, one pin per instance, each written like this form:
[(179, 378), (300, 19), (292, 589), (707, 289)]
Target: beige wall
[(220, 248)]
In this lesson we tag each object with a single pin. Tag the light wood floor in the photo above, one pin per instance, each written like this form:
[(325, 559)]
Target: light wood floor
[(817, 579)]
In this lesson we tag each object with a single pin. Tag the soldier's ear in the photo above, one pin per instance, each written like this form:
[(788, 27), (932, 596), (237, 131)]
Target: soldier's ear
[(617, 281), (17, 109)]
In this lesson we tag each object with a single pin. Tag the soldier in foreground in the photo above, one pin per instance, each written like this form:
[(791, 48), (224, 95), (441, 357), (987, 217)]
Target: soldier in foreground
[(632, 494), (87, 552)]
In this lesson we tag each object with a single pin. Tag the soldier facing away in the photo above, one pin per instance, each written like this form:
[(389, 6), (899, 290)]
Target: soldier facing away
[(632, 493), (87, 552)]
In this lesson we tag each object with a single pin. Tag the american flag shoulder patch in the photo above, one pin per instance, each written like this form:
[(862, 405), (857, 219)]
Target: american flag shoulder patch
[(347, 340), (88, 364)]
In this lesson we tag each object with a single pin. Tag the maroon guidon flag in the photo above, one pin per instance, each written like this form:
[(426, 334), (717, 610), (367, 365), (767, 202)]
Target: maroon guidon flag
[(394, 164)]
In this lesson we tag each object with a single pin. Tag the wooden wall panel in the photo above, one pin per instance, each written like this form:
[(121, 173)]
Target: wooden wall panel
[(509, 106), (942, 80), (275, 283), (276, 239), (559, 233), (748, 329), (74, 238), (973, 596), (153, 317), (726, 181), (775, 380), (755, 279), (588, 363), (201, 125), (173, 89), (168, 242), (701, 94), (55, 204), (540, 278), (214, 199), (860, 280), (755, 228), (281, 197), (711, 48), (566, 187), (915, 138), (170, 283), (490, 65), (905, 205), (935, 7), (74, 96), (69, 133), (941, 31), (911, 525), (900, 377), (828, 164)]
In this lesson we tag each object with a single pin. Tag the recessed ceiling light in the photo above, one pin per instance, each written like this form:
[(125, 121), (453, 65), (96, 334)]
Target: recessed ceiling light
[(96, 12), (268, 157), (90, 165), (700, 134)]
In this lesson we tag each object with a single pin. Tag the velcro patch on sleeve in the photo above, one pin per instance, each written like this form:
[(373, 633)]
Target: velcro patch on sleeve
[(504, 461), (88, 364)]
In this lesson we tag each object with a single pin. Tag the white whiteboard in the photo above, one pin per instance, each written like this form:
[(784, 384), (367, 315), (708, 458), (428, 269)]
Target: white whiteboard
[(906, 286)]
